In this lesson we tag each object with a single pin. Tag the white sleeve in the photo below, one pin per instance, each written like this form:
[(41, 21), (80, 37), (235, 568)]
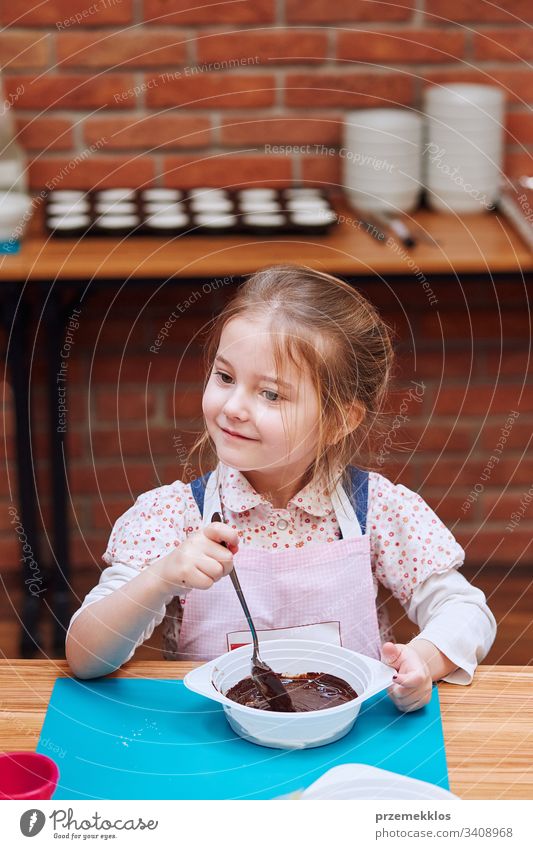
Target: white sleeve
[(111, 580), (152, 527), (454, 616)]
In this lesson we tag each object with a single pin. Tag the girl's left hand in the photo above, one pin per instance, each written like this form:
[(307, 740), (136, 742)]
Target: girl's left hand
[(412, 686)]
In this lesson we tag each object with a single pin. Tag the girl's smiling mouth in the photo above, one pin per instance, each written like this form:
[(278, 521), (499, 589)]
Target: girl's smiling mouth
[(233, 435)]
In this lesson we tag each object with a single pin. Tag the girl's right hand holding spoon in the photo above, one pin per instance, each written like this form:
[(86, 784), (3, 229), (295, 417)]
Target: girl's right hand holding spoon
[(200, 560)]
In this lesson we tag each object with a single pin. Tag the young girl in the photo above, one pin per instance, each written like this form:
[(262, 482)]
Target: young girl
[(298, 369)]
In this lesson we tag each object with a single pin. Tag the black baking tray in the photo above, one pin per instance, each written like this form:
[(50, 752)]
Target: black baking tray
[(192, 226)]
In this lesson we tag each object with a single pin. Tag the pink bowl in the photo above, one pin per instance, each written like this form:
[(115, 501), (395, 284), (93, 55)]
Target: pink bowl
[(27, 775)]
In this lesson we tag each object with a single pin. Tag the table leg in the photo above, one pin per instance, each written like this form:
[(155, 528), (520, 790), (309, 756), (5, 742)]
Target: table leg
[(15, 316), (54, 319)]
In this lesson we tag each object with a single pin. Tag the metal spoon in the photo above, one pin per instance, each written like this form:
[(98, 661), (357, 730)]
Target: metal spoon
[(263, 676)]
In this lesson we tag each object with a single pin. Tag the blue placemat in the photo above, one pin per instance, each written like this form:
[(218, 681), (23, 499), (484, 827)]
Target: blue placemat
[(153, 739)]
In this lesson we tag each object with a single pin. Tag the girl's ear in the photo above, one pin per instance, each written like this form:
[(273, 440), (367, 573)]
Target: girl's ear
[(354, 415)]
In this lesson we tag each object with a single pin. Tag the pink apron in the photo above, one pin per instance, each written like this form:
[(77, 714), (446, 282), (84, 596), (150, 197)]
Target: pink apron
[(319, 592)]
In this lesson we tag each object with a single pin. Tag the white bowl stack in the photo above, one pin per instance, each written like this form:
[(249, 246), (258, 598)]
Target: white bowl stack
[(463, 146), (381, 159)]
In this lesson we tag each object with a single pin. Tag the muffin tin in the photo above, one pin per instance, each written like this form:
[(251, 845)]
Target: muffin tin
[(173, 212)]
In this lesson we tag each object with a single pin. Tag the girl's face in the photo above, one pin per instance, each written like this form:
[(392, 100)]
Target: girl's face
[(244, 397)]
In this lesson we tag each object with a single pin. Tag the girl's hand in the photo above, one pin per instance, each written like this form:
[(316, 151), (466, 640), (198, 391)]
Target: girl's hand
[(413, 682), (201, 559)]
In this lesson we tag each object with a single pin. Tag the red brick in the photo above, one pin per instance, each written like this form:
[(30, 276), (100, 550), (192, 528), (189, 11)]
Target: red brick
[(487, 399), (137, 132), (491, 324), (94, 172), (88, 549), (211, 91), (332, 89), (124, 441), (45, 133), (126, 404), (518, 163), (442, 11), (185, 404), (57, 13), (399, 471), (434, 437), (519, 127), (506, 45), (163, 12), (463, 475), (405, 46), (75, 442), (438, 365), (73, 91), (496, 546), (26, 49), (271, 46), (323, 11), (230, 170), (517, 437), (500, 504), (293, 128), (447, 506), (112, 478), (139, 48), (508, 362), (516, 83), (104, 515), (322, 170), (148, 369), (10, 553)]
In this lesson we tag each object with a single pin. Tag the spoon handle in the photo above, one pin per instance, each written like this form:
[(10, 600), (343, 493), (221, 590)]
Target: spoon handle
[(238, 589)]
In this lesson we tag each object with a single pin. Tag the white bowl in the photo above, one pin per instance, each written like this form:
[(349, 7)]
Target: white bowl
[(257, 194), (389, 120), (211, 204), (291, 656), (61, 208), (167, 220), (66, 195), (15, 210), (115, 194), (116, 207), (463, 94), (215, 219), (156, 195), (68, 222)]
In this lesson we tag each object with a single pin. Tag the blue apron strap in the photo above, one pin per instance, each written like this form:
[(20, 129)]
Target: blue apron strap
[(359, 494), (198, 486)]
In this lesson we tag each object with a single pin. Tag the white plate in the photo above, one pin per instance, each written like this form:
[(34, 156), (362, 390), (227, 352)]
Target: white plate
[(360, 781)]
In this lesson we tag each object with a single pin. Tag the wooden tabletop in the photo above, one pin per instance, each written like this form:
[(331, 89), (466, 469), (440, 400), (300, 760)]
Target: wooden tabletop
[(488, 726), (477, 243)]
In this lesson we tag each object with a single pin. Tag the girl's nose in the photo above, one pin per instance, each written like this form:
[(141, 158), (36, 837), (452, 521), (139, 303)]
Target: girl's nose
[(235, 406)]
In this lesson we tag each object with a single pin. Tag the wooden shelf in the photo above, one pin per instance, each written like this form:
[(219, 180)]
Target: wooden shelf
[(472, 244)]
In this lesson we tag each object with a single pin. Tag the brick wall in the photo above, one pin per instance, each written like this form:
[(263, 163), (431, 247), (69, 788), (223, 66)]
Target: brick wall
[(103, 78), (314, 60), (131, 411)]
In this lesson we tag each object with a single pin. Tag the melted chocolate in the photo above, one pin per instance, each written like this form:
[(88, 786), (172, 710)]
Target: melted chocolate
[(272, 689), (308, 691)]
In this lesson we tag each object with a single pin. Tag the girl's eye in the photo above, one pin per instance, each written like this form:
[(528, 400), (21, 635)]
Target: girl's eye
[(271, 392), (222, 375)]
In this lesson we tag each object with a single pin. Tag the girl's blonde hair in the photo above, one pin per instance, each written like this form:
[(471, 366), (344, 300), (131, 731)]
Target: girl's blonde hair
[(321, 324)]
